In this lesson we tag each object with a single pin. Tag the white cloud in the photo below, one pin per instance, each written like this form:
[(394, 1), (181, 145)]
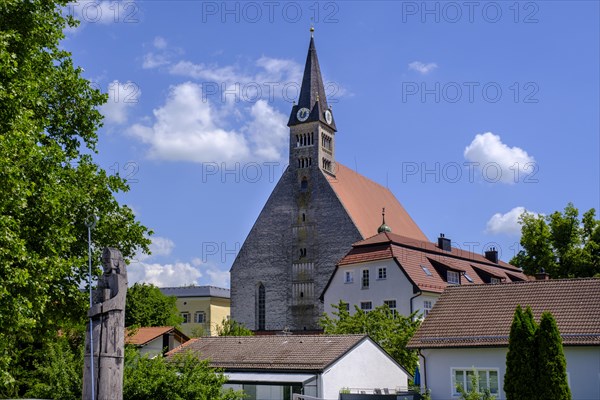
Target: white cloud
[(497, 161), (266, 119), (121, 98), (153, 60), (160, 42), (163, 275), (507, 223), (421, 67), (175, 273), (189, 128)]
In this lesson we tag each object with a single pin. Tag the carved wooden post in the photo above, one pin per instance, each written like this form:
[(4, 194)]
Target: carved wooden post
[(107, 316)]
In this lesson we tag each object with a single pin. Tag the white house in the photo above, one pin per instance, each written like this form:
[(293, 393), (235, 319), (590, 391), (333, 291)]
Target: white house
[(276, 367), (155, 340), (408, 274), (469, 328)]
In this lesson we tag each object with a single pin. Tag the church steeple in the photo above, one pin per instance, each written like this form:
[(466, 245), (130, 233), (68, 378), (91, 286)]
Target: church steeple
[(312, 93)]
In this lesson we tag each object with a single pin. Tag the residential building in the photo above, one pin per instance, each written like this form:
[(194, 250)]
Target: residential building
[(314, 214), (203, 308), (275, 367), (409, 274), (156, 340), (468, 329)]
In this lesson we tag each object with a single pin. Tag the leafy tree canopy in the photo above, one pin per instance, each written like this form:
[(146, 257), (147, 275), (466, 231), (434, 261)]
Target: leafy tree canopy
[(50, 186), (146, 305), (389, 329), (230, 327), (564, 245), (184, 377)]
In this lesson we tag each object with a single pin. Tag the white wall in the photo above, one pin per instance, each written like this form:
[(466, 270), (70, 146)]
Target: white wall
[(395, 287), (583, 367), (366, 366), (153, 348)]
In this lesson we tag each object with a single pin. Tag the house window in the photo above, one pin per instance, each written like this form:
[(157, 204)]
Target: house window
[(453, 277), (200, 317), (366, 306), (348, 277), (345, 306), (391, 304), (365, 279), (186, 317), (382, 273), (261, 307), (426, 270), (468, 277), (494, 280), (488, 379), (426, 307)]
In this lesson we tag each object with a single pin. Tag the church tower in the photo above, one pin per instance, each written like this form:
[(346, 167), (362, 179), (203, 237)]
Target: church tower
[(317, 210), (311, 123)]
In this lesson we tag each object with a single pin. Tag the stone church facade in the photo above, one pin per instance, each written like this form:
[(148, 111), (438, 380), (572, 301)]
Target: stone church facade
[(317, 210)]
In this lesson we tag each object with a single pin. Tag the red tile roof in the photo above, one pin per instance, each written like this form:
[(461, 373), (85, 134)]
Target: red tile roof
[(414, 255), (143, 335), (285, 352), (363, 199), (481, 315)]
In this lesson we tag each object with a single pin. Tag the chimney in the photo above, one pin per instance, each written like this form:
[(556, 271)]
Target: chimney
[(542, 275), (492, 255), (444, 243)]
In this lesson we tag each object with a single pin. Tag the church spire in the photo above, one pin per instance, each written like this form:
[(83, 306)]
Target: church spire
[(384, 227), (312, 93)]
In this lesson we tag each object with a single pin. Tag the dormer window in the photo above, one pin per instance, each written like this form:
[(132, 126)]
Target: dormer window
[(453, 277)]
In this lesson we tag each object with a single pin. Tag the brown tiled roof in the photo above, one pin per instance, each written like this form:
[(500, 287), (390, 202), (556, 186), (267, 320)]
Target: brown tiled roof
[(412, 255), (363, 199), (291, 352), (144, 335), (481, 315)]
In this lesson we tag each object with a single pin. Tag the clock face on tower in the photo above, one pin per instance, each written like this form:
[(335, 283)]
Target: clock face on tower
[(302, 114), (328, 116)]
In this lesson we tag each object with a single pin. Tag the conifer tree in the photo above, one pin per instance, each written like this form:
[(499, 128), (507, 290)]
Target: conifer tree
[(552, 375), (520, 362)]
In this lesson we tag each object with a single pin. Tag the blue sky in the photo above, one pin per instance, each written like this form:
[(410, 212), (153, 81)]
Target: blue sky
[(470, 112)]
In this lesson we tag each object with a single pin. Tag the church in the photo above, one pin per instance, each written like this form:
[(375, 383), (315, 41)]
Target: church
[(317, 210)]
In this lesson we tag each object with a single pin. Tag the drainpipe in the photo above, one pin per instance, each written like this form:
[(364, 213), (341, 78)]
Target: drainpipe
[(424, 372), (411, 301)]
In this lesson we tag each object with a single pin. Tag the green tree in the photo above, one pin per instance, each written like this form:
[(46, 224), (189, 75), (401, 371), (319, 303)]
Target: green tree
[(58, 369), (184, 377), (50, 186), (230, 327), (521, 357), (389, 329), (474, 393), (146, 305), (551, 382), (561, 243)]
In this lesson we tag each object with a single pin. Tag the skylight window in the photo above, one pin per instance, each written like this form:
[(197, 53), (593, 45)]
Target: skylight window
[(468, 277), (426, 270)]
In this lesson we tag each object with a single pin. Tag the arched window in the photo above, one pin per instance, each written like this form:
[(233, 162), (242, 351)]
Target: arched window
[(303, 217), (304, 184), (261, 314)]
